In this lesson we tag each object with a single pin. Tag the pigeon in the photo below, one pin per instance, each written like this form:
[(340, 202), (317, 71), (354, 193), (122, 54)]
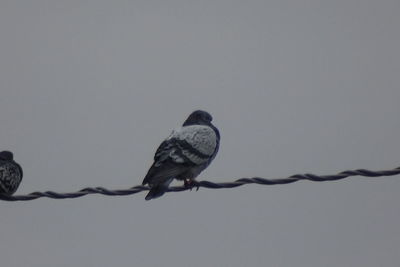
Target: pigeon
[(184, 154), (10, 174)]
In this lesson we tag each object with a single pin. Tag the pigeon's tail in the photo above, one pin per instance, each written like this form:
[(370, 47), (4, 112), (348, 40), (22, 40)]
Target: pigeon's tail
[(158, 190)]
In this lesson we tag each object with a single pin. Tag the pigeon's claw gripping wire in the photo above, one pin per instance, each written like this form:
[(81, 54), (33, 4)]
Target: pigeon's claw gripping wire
[(189, 183)]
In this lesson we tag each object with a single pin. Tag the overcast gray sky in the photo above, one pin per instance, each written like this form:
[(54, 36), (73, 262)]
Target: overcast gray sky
[(89, 89)]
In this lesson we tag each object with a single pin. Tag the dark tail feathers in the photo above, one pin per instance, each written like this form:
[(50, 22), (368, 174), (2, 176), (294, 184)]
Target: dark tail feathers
[(158, 190)]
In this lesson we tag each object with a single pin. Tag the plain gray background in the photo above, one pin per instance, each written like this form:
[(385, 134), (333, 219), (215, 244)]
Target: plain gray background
[(89, 89)]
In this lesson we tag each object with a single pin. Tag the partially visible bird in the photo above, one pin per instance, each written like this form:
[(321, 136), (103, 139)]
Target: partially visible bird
[(10, 174), (184, 154)]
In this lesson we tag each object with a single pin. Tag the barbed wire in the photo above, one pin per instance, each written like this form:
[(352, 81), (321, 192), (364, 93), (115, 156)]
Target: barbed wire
[(205, 184)]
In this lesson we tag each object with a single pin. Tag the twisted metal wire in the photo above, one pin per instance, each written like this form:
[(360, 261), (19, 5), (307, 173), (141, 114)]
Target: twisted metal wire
[(206, 184)]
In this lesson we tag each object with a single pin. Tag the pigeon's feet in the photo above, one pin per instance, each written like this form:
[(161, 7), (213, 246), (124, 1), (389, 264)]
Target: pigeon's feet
[(189, 183)]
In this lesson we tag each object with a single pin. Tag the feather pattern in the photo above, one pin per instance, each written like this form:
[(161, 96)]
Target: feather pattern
[(184, 154), (10, 174)]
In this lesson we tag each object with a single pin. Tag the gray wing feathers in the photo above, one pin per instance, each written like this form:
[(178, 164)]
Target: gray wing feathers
[(201, 138), (193, 145)]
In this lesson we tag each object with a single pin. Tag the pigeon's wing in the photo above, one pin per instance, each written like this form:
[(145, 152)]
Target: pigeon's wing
[(164, 166), (186, 148), (196, 144), (10, 177)]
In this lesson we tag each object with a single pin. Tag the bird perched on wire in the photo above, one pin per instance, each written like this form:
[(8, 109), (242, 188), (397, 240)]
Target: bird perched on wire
[(184, 154), (10, 173)]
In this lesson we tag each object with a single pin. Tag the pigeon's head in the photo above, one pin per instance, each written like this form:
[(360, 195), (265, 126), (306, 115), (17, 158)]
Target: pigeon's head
[(198, 117), (6, 155)]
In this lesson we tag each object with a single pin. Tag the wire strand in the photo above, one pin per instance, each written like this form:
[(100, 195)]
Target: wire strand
[(205, 184)]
